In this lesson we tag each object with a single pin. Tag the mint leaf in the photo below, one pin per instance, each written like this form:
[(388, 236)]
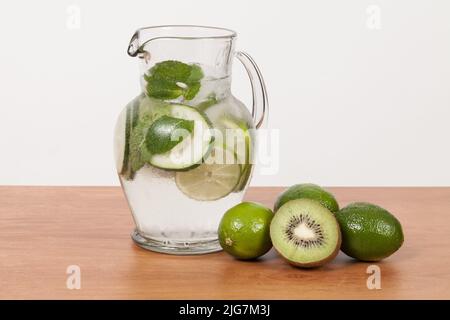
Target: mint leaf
[(160, 88), (173, 79), (166, 132), (171, 70), (191, 91), (196, 74), (138, 154), (210, 101)]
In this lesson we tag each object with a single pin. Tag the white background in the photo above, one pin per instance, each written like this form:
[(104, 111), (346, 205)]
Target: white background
[(355, 105)]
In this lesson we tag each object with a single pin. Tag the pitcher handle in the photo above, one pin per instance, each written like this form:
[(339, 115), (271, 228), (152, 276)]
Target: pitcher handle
[(260, 106)]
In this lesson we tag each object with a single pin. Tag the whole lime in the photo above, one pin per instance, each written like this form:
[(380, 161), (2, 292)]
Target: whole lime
[(369, 232), (244, 231), (308, 191)]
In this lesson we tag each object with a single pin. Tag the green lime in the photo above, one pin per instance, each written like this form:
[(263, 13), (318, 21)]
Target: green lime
[(122, 135), (212, 180), (166, 132), (239, 138), (241, 144), (369, 232), (179, 140), (308, 191), (244, 231)]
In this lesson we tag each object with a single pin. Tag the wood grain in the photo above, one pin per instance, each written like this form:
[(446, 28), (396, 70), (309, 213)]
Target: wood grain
[(45, 229)]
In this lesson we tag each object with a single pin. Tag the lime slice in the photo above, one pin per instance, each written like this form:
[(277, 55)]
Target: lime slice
[(192, 149), (124, 127), (243, 138), (121, 132), (161, 134), (240, 139), (212, 180)]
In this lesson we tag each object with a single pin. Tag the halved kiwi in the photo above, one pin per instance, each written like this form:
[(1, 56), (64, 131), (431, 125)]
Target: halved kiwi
[(305, 233)]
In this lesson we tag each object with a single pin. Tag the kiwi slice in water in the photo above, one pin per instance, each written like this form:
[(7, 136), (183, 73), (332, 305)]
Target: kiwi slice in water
[(305, 233)]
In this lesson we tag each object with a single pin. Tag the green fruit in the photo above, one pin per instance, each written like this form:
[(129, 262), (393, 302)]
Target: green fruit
[(212, 180), (369, 232), (305, 233), (143, 113), (192, 149), (244, 230), (241, 143), (308, 191), (166, 132), (122, 133)]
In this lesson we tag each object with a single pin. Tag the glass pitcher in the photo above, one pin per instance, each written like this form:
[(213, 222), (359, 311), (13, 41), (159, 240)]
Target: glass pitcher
[(184, 147)]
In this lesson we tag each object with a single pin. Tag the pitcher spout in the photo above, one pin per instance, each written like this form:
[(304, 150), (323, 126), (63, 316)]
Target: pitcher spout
[(133, 46), (191, 32)]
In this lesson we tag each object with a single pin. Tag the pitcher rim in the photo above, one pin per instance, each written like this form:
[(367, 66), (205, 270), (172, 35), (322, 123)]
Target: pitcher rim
[(230, 33)]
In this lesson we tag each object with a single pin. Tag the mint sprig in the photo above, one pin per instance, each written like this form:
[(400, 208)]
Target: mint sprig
[(172, 79)]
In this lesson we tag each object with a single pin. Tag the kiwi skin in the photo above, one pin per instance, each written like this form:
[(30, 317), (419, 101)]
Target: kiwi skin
[(307, 191)]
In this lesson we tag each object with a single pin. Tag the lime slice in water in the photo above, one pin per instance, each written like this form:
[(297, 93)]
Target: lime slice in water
[(193, 147), (243, 139), (212, 180)]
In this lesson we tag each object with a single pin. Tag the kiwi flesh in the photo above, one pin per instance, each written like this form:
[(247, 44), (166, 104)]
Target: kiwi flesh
[(305, 233)]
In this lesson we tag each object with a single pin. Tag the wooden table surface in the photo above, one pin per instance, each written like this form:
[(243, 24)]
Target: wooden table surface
[(43, 230)]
